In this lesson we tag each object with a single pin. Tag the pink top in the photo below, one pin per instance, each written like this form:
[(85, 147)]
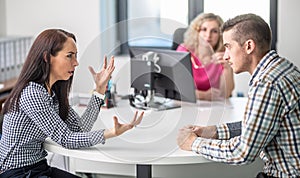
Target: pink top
[(205, 77)]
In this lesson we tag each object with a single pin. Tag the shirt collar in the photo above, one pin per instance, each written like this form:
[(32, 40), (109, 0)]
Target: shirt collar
[(262, 65), (42, 88)]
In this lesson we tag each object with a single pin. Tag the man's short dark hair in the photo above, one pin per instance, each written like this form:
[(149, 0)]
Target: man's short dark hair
[(250, 26)]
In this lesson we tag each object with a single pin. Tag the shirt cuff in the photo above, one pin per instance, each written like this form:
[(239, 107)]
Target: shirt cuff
[(196, 146), (223, 132), (98, 137), (99, 95)]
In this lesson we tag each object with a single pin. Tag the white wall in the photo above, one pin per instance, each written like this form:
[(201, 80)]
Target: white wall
[(2, 18), (30, 17), (289, 29), (80, 17)]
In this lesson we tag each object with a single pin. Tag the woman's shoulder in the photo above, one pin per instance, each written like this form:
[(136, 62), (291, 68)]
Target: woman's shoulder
[(34, 97), (34, 86), (181, 47), (34, 90)]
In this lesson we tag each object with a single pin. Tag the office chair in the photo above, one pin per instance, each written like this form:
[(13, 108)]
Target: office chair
[(1, 123), (178, 37)]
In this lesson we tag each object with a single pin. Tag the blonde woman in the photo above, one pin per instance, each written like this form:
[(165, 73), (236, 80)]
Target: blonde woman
[(212, 75)]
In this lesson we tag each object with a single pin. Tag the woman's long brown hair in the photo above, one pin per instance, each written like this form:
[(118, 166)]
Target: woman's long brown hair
[(37, 69)]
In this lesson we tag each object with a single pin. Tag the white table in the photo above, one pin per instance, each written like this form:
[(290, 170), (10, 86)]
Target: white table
[(153, 142)]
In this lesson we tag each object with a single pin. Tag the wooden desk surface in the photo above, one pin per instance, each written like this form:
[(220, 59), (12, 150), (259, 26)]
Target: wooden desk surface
[(4, 92), (8, 85)]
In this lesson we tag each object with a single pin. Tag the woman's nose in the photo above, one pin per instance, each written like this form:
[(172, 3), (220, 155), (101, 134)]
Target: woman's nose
[(208, 33), (75, 63)]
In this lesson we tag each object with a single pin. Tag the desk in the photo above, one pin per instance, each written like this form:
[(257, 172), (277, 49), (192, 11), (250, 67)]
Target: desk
[(4, 92), (153, 142)]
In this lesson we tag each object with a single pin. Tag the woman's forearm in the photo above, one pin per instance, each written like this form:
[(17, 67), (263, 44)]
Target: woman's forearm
[(227, 82)]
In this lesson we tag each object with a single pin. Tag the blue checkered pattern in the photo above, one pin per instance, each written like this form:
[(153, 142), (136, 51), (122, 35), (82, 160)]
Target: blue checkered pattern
[(228, 130), (25, 130), (271, 124)]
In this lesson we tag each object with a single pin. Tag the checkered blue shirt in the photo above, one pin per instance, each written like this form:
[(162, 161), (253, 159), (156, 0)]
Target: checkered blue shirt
[(271, 124), (25, 130)]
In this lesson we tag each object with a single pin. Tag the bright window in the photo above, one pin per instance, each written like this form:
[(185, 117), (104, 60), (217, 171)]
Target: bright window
[(153, 22), (230, 8)]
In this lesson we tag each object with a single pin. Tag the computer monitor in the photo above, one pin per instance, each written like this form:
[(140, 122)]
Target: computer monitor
[(161, 73)]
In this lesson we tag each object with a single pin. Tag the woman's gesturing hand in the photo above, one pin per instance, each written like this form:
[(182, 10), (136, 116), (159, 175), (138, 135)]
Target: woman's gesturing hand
[(102, 77), (119, 128)]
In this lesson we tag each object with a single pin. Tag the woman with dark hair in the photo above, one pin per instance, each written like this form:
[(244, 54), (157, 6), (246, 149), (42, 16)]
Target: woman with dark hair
[(38, 107)]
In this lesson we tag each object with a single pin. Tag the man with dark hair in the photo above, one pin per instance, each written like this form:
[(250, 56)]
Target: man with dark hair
[(271, 124)]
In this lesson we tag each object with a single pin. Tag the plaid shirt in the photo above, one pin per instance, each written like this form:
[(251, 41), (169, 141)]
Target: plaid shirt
[(25, 130), (271, 124)]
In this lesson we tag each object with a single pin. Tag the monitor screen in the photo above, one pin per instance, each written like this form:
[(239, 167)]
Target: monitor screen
[(166, 73)]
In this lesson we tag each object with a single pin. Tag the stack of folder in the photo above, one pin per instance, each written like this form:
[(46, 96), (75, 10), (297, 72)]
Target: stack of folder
[(13, 52)]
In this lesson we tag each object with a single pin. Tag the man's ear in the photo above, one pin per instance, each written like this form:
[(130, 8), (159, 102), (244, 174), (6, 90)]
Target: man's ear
[(249, 46)]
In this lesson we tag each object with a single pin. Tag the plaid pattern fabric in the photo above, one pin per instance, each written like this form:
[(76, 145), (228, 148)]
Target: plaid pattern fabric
[(223, 131), (25, 130), (271, 124)]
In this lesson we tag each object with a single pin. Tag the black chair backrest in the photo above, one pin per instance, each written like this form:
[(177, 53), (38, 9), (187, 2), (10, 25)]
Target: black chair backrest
[(178, 37), (1, 123)]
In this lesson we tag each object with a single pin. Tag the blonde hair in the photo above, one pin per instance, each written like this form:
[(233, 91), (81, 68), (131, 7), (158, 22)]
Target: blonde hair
[(191, 41)]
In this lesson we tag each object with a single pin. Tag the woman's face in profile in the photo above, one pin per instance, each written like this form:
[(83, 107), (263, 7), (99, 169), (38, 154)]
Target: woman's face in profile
[(210, 32), (64, 63)]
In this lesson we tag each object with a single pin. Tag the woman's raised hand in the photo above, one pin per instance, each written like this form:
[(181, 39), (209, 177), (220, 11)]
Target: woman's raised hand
[(102, 77), (218, 57)]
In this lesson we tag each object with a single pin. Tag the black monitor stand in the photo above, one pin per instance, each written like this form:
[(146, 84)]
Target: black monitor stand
[(150, 101)]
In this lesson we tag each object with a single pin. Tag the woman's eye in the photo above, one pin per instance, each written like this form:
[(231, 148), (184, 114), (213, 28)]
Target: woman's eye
[(215, 31), (69, 56)]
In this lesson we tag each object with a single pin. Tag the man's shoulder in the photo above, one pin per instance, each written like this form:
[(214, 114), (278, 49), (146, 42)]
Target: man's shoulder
[(283, 76), (278, 69)]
